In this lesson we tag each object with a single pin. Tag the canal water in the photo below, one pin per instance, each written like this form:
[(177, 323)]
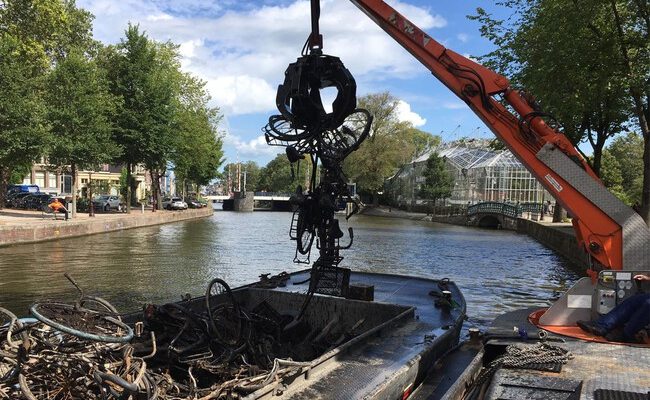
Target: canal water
[(497, 270)]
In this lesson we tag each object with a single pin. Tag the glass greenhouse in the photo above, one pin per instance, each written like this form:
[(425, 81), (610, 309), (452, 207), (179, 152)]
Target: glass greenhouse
[(480, 174)]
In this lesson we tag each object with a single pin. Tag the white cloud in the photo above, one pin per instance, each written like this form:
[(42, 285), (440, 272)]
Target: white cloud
[(419, 16), (463, 37), (242, 52), (159, 17), (467, 55), (241, 94), (454, 105), (252, 148), (404, 113)]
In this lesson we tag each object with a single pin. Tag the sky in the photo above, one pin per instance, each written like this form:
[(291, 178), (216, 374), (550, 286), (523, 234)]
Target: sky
[(241, 48)]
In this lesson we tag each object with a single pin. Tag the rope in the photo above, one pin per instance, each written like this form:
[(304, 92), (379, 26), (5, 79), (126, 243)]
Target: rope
[(520, 356)]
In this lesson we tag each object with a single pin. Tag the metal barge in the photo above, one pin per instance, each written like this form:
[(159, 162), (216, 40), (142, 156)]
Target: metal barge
[(408, 334), (401, 328)]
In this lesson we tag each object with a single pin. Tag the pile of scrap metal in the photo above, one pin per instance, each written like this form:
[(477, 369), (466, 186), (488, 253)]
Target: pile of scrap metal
[(307, 129), (202, 348)]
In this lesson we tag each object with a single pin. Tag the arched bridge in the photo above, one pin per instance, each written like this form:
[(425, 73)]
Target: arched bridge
[(496, 215)]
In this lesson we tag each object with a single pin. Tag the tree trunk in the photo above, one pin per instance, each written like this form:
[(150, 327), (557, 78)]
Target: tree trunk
[(128, 188), (598, 157), (5, 173), (154, 189), (161, 173), (559, 213), (73, 172), (645, 191)]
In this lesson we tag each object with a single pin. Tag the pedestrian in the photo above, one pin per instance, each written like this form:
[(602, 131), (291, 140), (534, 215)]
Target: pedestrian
[(57, 206), (545, 208)]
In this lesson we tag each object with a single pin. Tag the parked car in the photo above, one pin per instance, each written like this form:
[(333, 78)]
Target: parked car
[(36, 201), (16, 199), (194, 204), (106, 202), (174, 203)]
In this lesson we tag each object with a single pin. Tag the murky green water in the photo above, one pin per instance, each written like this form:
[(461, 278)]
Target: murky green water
[(497, 270)]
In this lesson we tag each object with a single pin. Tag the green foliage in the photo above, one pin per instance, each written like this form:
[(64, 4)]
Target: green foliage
[(253, 174), (19, 173), (439, 182), (276, 176), (563, 52), (390, 144), (622, 161), (79, 110), (23, 128), (47, 29), (197, 153)]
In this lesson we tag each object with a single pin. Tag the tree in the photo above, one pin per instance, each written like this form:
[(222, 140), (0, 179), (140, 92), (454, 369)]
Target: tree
[(276, 176), (390, 144), (197, 152), (584, 94), (144, 76), (631, 20), (23, 129), (438, 181), (606, 83), (622, 161), (128, 66), (34, 34), (253, 174), (80, 110)]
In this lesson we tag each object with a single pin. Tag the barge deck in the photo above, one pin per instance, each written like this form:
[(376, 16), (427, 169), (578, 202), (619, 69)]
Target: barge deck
[(389, 362)]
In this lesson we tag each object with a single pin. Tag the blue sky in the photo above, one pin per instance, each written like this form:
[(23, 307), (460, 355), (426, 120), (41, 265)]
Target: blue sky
[(241, 49)]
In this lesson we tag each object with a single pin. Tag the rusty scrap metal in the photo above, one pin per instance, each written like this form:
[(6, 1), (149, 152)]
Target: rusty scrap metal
[(175, 352)]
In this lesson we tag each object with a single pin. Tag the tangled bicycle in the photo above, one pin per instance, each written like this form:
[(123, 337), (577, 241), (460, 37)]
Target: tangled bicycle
[(307, 130), (204, 348)]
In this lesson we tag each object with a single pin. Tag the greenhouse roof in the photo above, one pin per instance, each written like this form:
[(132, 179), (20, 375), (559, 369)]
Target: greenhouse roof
[(463, 156)]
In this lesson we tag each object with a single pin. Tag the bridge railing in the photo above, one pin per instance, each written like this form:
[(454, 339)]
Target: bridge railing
[(507, 209), (272, 194), (493, 207)]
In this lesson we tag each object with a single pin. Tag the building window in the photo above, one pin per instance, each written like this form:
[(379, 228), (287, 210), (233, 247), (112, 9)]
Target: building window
[(27, 180), (84, 180), (66, 184), (52, 180), (39, 179)]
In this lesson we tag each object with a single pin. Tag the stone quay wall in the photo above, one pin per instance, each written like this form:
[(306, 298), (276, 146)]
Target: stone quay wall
[(561, 240), (52, 230)]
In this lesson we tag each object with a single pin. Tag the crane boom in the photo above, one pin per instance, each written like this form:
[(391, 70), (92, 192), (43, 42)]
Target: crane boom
[(614, 236)]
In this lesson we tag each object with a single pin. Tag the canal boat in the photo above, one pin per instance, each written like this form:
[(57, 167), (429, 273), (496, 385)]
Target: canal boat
[(391, 330), (409, 324)]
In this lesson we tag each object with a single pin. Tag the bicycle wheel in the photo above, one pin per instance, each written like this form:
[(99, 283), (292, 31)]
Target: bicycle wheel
[(223, 312), (305, 231), (82, 323), (340, 142)]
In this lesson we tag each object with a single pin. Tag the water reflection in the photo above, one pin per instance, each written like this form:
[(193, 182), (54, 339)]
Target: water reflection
[(497, 270)]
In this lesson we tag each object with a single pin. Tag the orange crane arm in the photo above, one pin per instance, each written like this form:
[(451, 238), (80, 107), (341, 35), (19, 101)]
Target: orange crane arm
[(613, 234)]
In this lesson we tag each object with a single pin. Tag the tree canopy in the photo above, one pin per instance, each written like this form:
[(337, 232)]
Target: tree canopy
[(438, 181), (390, 144), (585, 61), (622, 161), (34, 34), (80, 108), (276, 176)]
